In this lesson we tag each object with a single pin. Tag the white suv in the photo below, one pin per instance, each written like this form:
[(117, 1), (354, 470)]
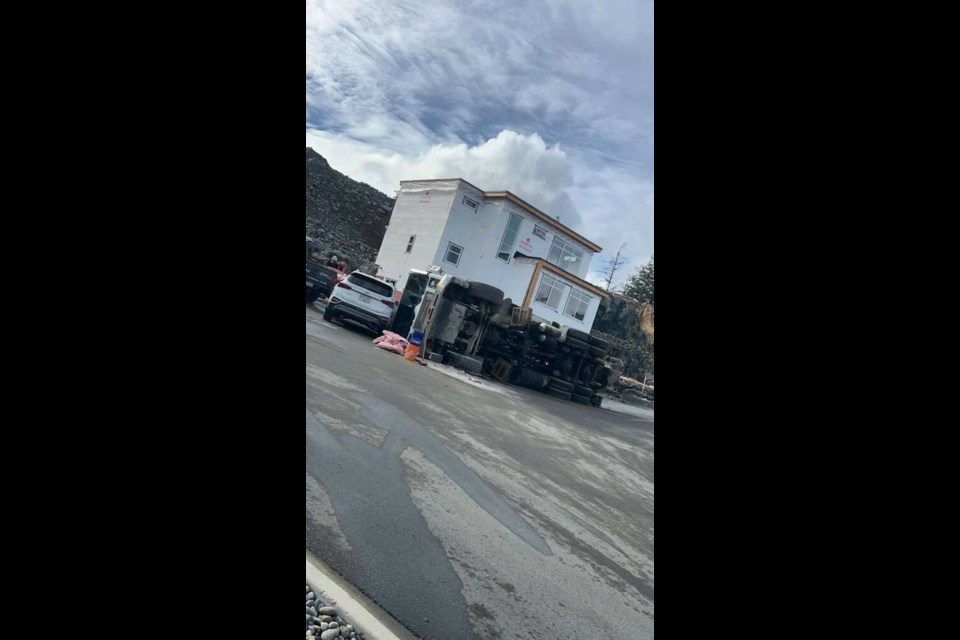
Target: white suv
[(363, 299)]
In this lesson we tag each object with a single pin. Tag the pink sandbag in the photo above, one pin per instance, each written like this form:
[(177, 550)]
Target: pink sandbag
[(391, 341), (391, 347)]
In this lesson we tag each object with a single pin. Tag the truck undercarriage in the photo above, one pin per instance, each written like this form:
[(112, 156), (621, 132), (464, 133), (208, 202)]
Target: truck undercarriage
[(471, 326)]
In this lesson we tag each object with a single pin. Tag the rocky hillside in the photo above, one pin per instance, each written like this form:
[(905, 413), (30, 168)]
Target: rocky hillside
[(628, 326), (347, 217)]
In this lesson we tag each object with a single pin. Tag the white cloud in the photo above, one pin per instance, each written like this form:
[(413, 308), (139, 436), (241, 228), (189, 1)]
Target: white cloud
[(552, 101), (522, 164)]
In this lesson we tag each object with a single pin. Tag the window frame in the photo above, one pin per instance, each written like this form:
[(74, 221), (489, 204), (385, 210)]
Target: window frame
[(447, 253), (582, 299), (568, 248), (516, 236), (555, 284)]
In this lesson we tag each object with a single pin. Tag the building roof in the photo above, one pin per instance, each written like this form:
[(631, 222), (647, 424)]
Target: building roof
[(526, 206), (563, 273)]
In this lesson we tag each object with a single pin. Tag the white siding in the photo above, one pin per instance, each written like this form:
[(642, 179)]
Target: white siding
[(532, 245), (421, 210), (479, 234)]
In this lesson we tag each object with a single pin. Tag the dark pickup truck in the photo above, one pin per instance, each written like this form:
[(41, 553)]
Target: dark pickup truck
[(321, 279)]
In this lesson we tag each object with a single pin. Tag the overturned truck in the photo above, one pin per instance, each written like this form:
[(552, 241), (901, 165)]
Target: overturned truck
[(469, 325)]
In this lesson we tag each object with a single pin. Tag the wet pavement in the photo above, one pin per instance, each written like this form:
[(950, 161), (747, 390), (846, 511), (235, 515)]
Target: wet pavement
[(475, 510)]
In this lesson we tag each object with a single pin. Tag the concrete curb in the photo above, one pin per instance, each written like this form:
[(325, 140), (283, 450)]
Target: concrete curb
[(352, 605)]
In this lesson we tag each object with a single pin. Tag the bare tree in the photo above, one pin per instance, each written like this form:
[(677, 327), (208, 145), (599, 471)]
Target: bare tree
[(612, 265)]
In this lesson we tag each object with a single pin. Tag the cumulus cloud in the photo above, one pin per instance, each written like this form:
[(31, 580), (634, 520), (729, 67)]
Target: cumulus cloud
[(522, 164)]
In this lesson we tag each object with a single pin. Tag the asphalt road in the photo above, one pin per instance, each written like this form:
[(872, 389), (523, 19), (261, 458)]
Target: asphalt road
[(468, 509)]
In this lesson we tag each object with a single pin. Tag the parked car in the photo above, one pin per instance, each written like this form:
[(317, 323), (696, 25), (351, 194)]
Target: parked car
[(362, 299)]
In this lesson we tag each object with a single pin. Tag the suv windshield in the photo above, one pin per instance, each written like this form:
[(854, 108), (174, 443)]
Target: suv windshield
[(371, 284)]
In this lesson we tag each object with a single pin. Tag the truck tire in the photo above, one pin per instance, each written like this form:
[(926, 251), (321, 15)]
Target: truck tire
[(576, 345), (486, 292), (576, 334), (597, 352), (579, 390), (473, 366), (596, 400), (560, 385), (581, 399), (563, 395), (529, 378), (600, 342)]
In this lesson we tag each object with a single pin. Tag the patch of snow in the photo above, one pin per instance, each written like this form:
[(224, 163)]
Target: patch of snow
[(627, 409), (463, 376)]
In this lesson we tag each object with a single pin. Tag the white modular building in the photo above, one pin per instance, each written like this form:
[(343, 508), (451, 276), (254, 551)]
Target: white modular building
[(493, 237)]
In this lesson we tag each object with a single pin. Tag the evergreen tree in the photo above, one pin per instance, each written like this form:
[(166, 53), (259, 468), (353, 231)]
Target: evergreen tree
[(640, 285)]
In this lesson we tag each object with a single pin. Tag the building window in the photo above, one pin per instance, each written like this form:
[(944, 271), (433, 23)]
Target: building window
[(565, 255), (453, 254), (410, 243), (473, 204), (540, 232), (550, 292), (509, 237), (577, 305)]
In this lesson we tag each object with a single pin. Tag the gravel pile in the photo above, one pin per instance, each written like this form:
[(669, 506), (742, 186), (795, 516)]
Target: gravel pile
[(323, 621)]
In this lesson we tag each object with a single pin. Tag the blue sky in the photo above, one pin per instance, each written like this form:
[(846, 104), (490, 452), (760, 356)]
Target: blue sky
[(552, 100)]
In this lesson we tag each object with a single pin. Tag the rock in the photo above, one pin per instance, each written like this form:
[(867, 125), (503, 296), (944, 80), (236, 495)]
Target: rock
[(628, 325), (328, 611), (311, 596), (329, 634), (326, 618), (345, 216), (308, 588), (312, 611), (324, 626), (334, 625)]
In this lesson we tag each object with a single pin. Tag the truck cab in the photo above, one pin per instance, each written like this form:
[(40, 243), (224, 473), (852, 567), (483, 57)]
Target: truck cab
[(418, 293)]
